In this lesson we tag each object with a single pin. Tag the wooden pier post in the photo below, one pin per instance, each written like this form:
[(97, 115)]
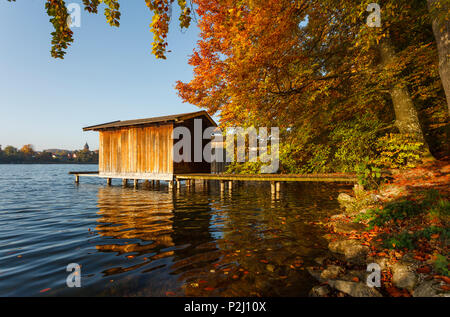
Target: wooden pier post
[(77, 179), (124, 182), (277, 186), (272, 187), (108, 181), (222, 186), (158, 184), (230, 185), (170, 185), (136, 183)]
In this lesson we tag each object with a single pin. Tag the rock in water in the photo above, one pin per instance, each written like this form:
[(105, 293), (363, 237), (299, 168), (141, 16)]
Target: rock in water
[(403, 276), (331, 272), (348, 227), (354, 289), (315, 273), (319, 291), (426, 289), (346, 201), (270, 267), (351, 249), (319, 260)]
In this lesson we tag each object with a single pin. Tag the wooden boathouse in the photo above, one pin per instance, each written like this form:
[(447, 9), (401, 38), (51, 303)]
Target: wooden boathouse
[(143, 149)]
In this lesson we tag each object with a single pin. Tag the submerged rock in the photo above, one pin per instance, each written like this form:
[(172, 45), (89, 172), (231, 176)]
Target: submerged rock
[(319, 291), (352, 274), (270, 267), (331, 272), (319, 260), (346, 201), (315, 273), (348, 227)]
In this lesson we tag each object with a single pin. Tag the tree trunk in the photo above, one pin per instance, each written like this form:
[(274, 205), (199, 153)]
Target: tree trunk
[(406, 117), (441, 34)]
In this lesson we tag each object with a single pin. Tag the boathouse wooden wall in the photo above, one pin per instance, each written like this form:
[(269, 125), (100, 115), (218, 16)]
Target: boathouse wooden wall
[(136, 150)]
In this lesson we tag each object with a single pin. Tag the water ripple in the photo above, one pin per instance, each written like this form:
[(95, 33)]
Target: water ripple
[(152, 242)]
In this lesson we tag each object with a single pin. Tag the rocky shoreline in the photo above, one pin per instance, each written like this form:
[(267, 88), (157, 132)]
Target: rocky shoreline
[(348, 267)]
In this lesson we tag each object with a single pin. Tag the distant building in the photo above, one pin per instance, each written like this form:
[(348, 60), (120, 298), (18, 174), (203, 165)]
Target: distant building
[(86, 147)]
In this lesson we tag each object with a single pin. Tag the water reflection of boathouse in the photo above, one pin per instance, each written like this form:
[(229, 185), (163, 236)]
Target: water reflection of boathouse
[(151, 223)]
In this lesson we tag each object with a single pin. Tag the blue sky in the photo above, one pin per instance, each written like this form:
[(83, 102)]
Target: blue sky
[(108, 74)]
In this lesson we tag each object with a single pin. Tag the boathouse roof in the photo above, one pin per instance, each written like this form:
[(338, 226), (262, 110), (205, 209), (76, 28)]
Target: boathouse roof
[(154, 120)]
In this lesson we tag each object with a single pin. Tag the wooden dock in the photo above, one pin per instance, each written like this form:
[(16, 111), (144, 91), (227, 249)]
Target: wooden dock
[(271, 177), (228, 179), (274, 179)]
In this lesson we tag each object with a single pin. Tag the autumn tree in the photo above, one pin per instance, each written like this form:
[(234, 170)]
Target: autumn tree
[(62, 36), (313, 68), (162, 15), (310, 64), (10, 150), (27, 150), (440, 18)]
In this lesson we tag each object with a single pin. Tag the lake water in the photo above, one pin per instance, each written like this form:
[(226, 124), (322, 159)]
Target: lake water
[(195, 242)]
